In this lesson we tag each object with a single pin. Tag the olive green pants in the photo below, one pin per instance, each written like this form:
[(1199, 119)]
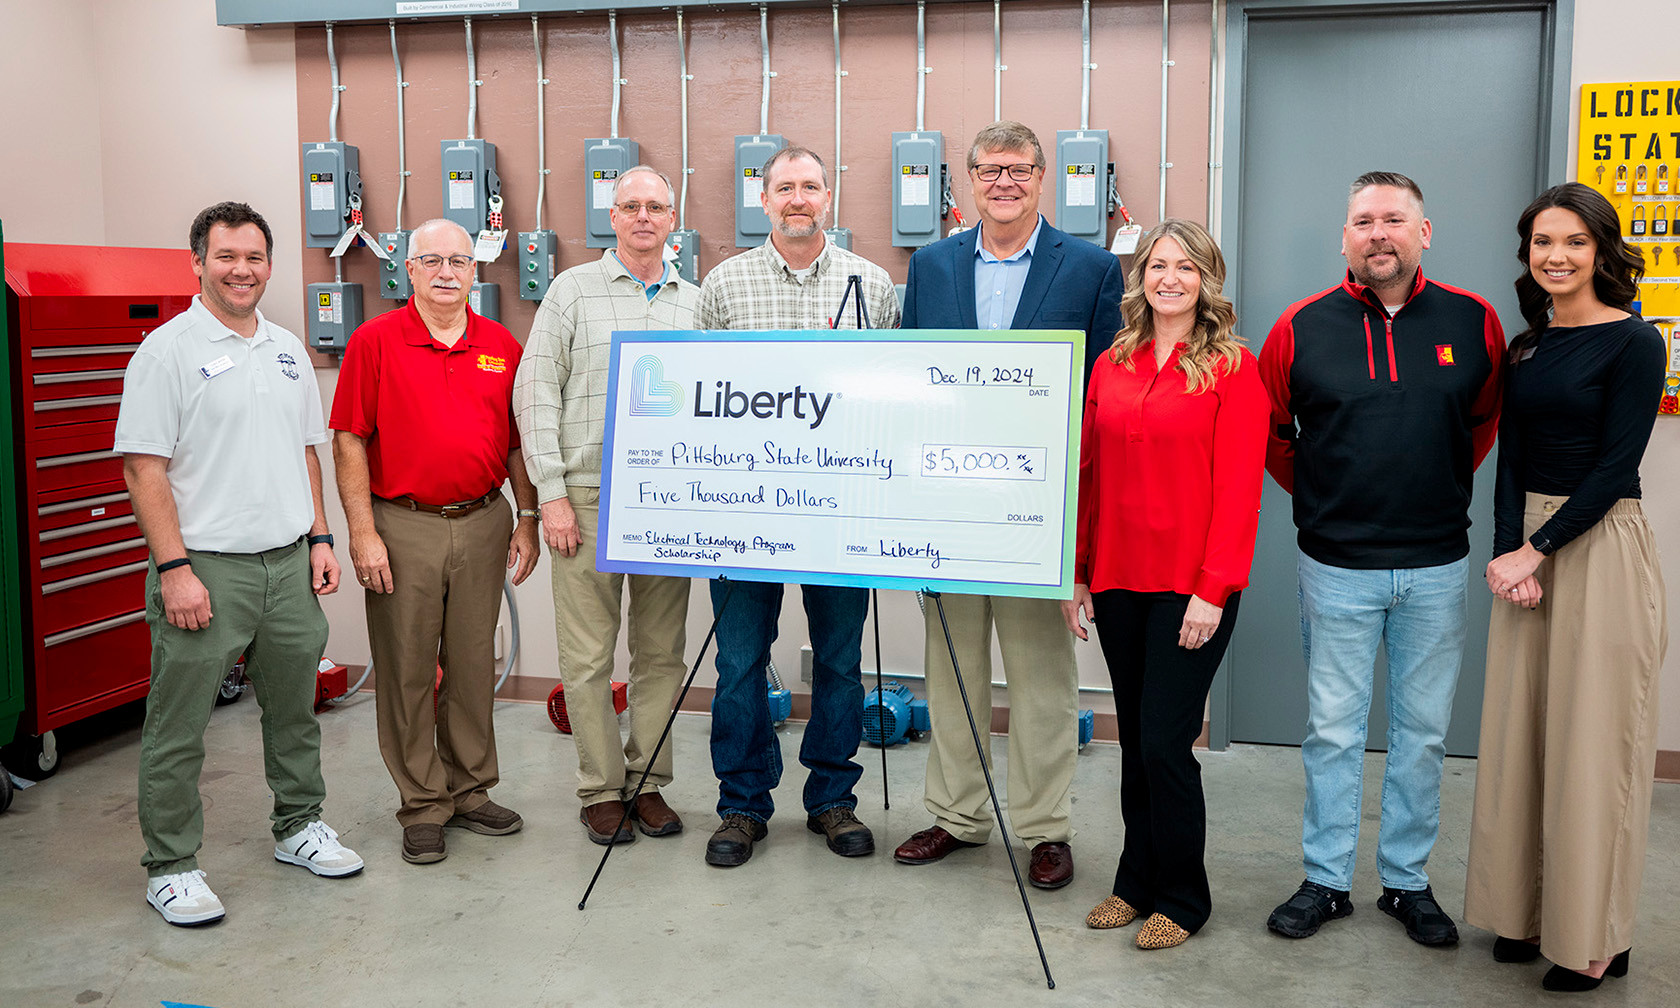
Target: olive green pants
[(261, 606)]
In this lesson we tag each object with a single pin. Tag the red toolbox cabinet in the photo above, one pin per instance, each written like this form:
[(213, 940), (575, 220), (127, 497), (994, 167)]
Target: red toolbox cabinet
[(75, 315)]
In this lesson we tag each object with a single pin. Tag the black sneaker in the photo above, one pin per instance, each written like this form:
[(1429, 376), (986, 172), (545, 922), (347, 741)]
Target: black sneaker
[(732, 844), (1426, 923), (1309, 909)]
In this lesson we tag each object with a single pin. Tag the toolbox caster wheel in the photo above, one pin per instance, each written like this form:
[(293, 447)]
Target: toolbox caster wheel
[(234, 685), (33, 757)]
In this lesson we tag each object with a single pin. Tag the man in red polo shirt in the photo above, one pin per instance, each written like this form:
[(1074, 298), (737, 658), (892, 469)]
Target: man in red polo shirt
[(424, 439)]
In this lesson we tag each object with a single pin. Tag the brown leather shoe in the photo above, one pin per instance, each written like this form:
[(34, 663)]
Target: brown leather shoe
[(423, 843), (653, 817), (602, 820), (1052, 865), (490, 819), (928, 846)]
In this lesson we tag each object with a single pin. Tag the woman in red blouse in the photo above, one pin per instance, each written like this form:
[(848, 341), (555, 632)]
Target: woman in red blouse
[(1169, 498)]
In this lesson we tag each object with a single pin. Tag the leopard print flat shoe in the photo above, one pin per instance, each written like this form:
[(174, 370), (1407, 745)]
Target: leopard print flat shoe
[(1158, 933), (1111, 913)]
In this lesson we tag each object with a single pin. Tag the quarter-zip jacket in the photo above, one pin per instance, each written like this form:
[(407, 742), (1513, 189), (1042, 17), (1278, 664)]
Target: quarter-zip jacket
[(1379, 421)]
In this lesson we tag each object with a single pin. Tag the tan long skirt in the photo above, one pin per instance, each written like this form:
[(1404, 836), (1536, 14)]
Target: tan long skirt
[(1568, 746)]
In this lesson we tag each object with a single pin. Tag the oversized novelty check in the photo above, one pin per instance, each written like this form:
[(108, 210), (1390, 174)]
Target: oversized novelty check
[(943, 459)]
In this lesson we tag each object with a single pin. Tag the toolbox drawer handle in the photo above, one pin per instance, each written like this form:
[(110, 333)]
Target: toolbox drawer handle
[(64, 460), (47, 405), (88, 503), (52, 535), (66, 377), (83, 351), (91, 552), (86, 579), (103, 625)]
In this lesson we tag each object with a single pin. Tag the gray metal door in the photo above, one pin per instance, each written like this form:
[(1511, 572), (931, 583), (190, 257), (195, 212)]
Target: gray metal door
[(1461, 99)]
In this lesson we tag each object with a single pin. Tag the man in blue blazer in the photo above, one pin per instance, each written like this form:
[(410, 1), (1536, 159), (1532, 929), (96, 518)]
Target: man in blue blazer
[(1014, 271)]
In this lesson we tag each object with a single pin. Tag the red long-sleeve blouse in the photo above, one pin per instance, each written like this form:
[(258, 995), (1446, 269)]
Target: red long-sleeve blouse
[(1169, 481)]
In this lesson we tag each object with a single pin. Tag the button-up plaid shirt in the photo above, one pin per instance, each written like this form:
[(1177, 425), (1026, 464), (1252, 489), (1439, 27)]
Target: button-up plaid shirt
[(757, 290), (560, 390)]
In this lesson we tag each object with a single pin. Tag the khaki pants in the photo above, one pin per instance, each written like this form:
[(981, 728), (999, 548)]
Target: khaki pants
[(1569, 722), (447, 575), (1043, 715), (587, 610), (262, 606)]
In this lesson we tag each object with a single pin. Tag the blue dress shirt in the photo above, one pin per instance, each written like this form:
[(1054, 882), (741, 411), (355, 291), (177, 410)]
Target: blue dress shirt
[(998, 282)]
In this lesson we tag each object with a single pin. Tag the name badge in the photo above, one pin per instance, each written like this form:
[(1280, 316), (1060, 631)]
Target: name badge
[(216, 367)]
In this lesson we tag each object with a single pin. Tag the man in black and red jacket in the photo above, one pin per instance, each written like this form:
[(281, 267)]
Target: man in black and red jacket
[(1385, 397)]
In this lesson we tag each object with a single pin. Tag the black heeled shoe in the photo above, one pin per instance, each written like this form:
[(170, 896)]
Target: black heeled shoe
[(1570, 982), (1515, 950)]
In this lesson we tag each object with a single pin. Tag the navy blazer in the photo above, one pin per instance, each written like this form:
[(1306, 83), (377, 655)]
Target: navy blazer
[(1072, 284)]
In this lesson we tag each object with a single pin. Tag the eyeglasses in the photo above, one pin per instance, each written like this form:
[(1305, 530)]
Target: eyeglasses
[(432, 261), (632, 208), (1017, 172)]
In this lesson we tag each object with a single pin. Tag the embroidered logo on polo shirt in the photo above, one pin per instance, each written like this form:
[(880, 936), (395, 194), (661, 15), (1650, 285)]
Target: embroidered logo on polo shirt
[(494, 365), (288, 366), (1443, 354)]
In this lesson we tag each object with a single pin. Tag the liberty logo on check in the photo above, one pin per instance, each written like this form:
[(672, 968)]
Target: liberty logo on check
[(650, 393)]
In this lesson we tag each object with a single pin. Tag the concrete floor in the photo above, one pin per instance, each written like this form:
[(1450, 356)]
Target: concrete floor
[(497, 922)]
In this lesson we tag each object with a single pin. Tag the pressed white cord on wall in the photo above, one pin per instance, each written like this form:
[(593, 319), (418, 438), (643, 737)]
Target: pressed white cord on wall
[(402, 147), (682, 59), (473, 84), (542, 146), (764, 47), (839, 167), (1166, 64), (332, 65), (617, 73)]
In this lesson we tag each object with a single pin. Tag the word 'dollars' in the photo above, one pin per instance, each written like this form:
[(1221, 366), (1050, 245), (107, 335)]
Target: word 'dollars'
[(731, 403)]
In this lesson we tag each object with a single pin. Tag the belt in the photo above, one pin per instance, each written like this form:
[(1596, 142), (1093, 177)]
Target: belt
[(460, 510)]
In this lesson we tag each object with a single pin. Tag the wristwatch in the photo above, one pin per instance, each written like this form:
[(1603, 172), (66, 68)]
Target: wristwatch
[(325, 539)]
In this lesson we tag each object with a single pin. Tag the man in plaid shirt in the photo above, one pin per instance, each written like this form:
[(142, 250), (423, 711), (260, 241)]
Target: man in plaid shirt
[(793, 281), (560, 403)]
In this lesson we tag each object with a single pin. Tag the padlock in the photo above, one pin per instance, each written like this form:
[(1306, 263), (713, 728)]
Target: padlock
[(1636, 226), (1641, 187), (1659, 220), (1621, 180), (1662, 180)]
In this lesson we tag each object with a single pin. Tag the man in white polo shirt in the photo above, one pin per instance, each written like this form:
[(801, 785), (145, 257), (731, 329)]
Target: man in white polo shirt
[(218, 426)]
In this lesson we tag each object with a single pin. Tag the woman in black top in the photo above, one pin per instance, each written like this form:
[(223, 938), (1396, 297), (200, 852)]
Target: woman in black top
[(1563, 788)]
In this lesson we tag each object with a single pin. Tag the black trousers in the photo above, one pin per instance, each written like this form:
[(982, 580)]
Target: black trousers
[(1159, 693)]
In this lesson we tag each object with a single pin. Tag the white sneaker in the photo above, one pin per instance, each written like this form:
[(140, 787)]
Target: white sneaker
[(316, 847), (184, 899)]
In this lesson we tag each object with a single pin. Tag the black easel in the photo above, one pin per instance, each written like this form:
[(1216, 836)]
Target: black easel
[(854, 294), (641, 781)]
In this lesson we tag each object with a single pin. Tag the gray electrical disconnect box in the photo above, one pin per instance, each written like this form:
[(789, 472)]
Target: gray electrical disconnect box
[(331, 174), (918, 165), (687, 243), (840, 236), (604, 160), (538, 252), (333, 313), (1082, 184), (393, 272), (486, 299), (469, 180), (752, 224)]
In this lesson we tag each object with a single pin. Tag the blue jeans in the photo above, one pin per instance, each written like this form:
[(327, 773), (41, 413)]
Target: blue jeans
[(746, 756), (1418, 615)]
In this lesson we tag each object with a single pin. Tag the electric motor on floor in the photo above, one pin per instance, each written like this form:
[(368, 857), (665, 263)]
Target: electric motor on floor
[(891, 713), (557, 704), (1087, 726)]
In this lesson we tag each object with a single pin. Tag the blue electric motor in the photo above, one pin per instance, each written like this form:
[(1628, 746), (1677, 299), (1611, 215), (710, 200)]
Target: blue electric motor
[(781, 698), (891, 713), (1087, 726)]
